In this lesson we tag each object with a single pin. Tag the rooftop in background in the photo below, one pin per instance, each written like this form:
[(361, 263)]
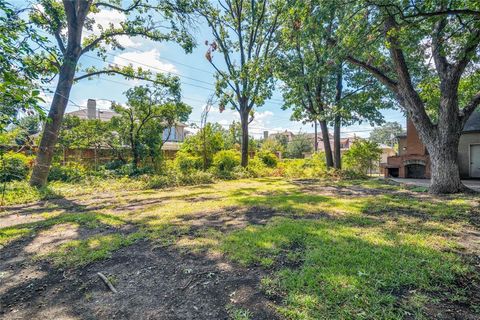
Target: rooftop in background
[(91, 112), (473, 123)]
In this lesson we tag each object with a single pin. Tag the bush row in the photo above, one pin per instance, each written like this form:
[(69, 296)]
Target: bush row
[(185, 169)]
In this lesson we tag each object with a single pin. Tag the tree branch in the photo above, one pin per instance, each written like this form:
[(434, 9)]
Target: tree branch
[(467, 54), (110, 72), (113, 34), (466, 112), (377, 73), (135, 5), (439, 58), (447, 12)]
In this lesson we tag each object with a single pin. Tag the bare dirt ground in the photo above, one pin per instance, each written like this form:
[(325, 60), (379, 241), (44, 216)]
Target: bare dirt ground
[(153, 282)]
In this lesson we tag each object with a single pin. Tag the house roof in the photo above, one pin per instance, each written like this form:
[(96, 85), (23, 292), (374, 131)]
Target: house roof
[(104, 115), (319, 135), (473, 123)]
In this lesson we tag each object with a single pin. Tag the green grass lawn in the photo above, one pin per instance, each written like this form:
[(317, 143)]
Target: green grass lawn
[(333, 250)]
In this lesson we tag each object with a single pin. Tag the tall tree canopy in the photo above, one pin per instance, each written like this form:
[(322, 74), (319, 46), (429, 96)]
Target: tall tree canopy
[(150, 110), (319, 86), (71, 26), (19, 74), (243, 33), (427, 54), (387, 133)]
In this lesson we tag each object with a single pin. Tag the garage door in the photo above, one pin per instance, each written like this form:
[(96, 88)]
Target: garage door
[(475, 160)]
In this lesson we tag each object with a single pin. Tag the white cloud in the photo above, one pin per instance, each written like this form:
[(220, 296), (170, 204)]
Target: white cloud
[(146, 60), (102, 103)]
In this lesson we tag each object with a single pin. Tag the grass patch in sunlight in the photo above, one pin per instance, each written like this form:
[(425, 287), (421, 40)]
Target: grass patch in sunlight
[(78, 253), (87, 219), (12, 233), (346, 272)]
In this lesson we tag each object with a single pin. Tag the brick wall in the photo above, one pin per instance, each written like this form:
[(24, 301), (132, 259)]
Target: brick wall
[(414, 145)]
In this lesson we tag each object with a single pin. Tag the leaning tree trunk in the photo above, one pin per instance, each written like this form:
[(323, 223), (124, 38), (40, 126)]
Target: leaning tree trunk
[(244, 123), (75, 12), (326, 143), (53, 123)]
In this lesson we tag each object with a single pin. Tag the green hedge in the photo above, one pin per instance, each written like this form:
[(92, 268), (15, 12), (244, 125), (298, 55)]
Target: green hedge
[(15, 166)]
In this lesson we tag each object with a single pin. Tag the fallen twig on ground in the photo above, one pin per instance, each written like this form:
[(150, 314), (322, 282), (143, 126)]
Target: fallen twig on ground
[(107, 282)]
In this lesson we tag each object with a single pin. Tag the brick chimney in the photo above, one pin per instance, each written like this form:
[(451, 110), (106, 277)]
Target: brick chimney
[(414, 144), (91, 109)]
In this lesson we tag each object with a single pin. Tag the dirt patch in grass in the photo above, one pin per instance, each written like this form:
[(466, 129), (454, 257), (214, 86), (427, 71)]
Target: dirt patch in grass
[(152, 283)]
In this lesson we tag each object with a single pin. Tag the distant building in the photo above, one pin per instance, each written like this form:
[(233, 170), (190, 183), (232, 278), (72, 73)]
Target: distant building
[(413, 160), (91, 112), (345, 143), (173, 136), (288, 134)]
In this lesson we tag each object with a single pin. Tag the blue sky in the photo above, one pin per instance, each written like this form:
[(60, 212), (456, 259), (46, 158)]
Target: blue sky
[(197, 79)]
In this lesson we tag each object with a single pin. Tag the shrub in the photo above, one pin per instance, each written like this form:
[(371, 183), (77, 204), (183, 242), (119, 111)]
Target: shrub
[(173, 180), (240, 172), (161, 182), (114, 165), (186, 163), (257, 168), (362, 157), (130, 170), (314, 167), (15, 166), (195, 177), (72, 172), (268, 158), (225, 161)]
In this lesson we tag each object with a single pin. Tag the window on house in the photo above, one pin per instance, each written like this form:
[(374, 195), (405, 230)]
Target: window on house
[(170, 134)]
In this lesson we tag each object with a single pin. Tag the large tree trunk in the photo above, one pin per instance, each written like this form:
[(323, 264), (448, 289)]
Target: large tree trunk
[(444, 167), (336, 143), (53, 123), (244, 123), (442, 142), (326, 143)]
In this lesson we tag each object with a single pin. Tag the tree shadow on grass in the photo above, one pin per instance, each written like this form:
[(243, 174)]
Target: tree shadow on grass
[(331, 262), (346, 272)]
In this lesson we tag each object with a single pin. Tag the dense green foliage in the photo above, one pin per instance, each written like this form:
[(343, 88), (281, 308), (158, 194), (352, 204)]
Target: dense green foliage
[(186, 163), (207, 142), (387, 133), (268, 158), (71, 172), (363, 156), (299, 145), (19, 75), (225, 161), (151, 110), (14, 166)]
